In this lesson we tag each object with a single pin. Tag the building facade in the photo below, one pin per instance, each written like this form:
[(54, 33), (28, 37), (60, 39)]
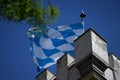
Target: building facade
[(91, 61)]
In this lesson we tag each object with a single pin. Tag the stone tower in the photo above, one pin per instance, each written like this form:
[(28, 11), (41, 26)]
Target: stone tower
[(91, 61)]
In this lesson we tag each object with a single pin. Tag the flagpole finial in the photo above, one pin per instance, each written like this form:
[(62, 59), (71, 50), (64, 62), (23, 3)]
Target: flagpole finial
[(82, 15)]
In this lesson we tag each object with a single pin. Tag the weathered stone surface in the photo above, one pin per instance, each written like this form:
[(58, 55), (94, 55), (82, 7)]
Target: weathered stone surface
[(91, 43), (115, 64), (99, 47), (74, 73), (109, 74), (62, 67), (83, 47), (45, 75)]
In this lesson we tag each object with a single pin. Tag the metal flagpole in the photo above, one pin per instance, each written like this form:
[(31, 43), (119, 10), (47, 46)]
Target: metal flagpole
[(82, 15)]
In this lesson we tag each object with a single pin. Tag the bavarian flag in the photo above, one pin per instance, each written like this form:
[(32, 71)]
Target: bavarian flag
[(47, 48)]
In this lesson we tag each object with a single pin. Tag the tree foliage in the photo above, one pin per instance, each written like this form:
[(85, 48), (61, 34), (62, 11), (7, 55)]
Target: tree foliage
[(33, 12)]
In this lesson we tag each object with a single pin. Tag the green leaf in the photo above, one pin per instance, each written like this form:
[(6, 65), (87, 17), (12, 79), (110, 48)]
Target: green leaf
[(31, 11)]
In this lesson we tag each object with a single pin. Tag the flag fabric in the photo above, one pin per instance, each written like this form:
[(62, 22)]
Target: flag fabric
[(46, 49)]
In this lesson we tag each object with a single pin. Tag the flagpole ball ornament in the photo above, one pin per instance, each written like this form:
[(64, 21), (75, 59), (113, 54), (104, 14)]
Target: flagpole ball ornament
[(82, 15)]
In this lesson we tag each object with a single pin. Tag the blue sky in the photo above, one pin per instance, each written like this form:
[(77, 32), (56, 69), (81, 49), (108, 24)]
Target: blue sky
[(15, 58)]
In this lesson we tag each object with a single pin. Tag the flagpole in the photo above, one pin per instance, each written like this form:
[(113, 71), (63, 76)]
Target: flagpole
[(82, 15)]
